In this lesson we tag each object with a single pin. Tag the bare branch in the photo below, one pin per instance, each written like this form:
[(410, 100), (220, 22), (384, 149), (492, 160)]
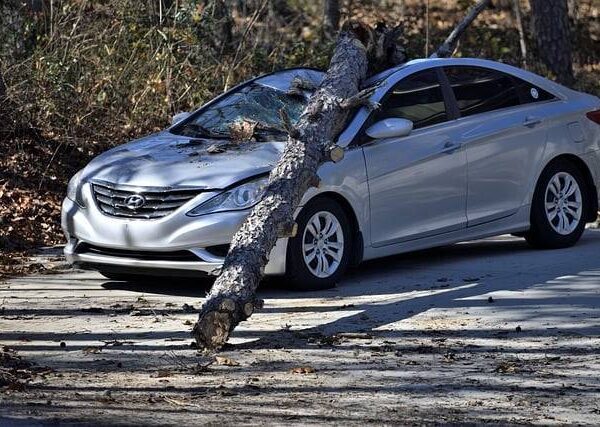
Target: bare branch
[(362, 98), (447, 48), (287, 124)]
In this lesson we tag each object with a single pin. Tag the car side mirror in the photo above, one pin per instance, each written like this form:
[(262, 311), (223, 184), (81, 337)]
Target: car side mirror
[(390, 128), (179, 117)]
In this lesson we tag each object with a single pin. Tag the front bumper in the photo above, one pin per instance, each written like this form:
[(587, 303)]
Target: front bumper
[(130, 242)]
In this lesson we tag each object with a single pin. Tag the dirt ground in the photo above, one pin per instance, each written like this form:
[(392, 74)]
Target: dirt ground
[(481, 332)]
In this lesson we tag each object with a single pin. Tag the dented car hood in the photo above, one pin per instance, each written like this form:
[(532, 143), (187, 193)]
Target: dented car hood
[(173, 161)]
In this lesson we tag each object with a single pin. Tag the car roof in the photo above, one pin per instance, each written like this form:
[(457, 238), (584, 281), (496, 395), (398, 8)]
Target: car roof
[(422, 63)]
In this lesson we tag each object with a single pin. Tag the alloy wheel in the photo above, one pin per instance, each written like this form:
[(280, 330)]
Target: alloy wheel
[(563, 203), (323, 244)]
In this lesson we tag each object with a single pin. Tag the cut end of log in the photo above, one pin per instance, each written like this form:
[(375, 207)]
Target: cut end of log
[(248, 309), (212, 329), (217, 320), (336, 153)]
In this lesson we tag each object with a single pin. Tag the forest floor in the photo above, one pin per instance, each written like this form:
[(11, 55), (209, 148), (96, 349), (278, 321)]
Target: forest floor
[(483, 332)]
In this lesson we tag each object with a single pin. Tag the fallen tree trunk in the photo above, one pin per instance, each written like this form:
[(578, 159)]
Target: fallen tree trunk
[(232, 297), (359, 50)]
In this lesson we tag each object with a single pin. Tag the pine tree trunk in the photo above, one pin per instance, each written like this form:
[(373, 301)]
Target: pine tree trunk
[(232, 297), (331, 17), (551, 29)]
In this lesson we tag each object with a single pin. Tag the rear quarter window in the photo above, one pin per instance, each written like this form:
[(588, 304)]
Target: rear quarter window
[(530, 93)]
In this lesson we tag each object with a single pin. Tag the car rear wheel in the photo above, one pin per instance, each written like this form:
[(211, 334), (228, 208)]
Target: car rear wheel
[(320, 252), (559, 207)]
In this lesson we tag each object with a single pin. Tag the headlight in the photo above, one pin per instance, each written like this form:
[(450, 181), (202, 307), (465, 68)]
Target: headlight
[(74, 189), (241, 197)]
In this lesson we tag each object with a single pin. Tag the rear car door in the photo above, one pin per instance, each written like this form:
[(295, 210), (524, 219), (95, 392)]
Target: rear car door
[(504, 138), (417, 183)]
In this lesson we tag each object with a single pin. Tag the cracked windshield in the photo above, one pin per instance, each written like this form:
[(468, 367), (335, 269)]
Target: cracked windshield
[(255, 104)]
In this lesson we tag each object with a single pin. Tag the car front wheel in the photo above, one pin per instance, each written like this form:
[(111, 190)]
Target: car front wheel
[(559, 207), (320, 252)]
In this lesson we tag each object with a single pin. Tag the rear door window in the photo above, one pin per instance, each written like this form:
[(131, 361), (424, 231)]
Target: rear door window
[(418, 98), (479, 90)]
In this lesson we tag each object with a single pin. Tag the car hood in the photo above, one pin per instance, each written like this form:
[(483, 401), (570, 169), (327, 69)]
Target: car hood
[(168, 160)]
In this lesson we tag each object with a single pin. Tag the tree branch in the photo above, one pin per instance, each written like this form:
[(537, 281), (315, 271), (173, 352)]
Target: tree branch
[(447, 48)]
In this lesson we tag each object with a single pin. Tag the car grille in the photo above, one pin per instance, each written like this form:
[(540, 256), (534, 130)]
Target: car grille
[(113, 201), (84, 248)]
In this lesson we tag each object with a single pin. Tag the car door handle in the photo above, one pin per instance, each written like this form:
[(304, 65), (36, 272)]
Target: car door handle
[(451, 146), (531, 121)]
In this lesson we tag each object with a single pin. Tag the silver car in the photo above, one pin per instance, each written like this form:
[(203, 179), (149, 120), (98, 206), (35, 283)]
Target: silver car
[(459, 149)]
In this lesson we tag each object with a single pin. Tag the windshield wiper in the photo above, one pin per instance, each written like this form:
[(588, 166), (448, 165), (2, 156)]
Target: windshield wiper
[(261, 127), (201, 131), (262, 132)]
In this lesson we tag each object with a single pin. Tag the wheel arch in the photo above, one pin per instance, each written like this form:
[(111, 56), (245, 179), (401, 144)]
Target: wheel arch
[(592, 191), (357, 237)]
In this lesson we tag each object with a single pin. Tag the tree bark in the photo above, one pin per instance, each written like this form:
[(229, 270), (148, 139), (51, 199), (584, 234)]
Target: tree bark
[(232, 297), (553, 37), (331, 17)]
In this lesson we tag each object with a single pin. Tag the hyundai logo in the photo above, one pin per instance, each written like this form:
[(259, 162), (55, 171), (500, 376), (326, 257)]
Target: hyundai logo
[(135, 201)]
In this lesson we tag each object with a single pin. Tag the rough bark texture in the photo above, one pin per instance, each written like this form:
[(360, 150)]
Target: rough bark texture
[(232, 297), (551, 29), (331, 17), (447, 48), (4, 108)]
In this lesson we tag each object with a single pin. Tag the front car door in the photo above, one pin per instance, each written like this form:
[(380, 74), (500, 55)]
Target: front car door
[(417, 183), (503, 136)]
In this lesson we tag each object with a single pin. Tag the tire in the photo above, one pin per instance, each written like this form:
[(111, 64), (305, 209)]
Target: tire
[(303, 272), (558, 220)]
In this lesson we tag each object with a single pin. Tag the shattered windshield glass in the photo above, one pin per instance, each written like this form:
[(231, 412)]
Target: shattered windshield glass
[(255, 103)]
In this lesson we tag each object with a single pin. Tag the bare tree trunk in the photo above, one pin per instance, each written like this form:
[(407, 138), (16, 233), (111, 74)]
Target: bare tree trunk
[(4, 107), (232, 298), (573, 6), (2, 87), (519, 21), (553, 37), (427, 25), (331, 17), (281, 8), (216, 26), (447, 48)]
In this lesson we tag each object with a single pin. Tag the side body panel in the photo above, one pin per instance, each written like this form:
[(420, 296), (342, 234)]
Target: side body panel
[(502, 156), (417, 185)]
